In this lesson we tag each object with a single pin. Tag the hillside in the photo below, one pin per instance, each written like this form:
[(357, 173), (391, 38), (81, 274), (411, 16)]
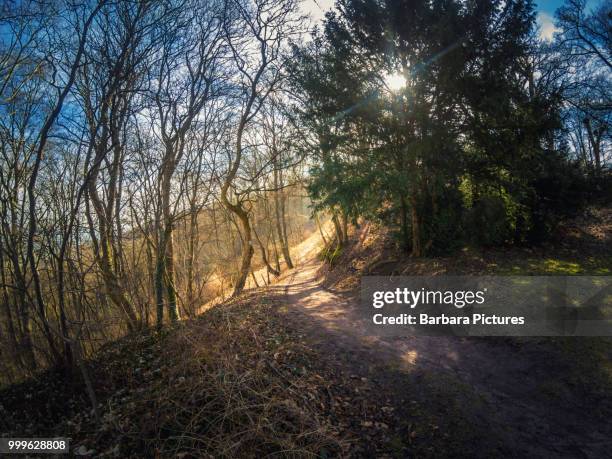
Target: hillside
[(306, 228), (288, 371)]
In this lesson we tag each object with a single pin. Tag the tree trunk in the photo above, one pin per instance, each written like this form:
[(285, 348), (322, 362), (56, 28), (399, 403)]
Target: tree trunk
[(344, 218), (404, 225), (104, 248), (276, 256), (115, 293), (173, 311), (595, 141), (7, 304), (113, 287), (339, 236), (159, 286), (26, 348), (247, 251), (164, 279), (166, 250), (62, 310), (281, 224), (193, 223), (416, 228), (264, 257), (318, 222), (237, 209), (254, 279), (87, 380)]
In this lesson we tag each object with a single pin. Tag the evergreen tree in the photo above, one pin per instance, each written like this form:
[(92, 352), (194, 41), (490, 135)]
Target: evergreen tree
[(462, 140)]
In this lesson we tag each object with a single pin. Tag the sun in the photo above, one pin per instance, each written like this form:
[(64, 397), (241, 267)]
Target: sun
[(395, 81)]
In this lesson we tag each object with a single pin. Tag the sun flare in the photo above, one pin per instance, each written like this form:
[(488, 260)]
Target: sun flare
[(395, 81)]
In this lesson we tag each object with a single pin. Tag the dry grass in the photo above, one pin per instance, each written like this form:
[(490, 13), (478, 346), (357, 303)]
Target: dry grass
[(235, 382), (239, 387), (232, 383)]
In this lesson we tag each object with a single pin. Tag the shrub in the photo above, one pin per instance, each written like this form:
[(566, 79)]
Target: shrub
[(487, 222)]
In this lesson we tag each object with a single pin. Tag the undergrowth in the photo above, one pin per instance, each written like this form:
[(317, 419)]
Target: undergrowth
[(331, 254), (231, 383)]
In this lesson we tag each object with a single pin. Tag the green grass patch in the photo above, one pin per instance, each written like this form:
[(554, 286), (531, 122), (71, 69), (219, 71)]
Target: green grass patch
[(594, 266), (331, 254)]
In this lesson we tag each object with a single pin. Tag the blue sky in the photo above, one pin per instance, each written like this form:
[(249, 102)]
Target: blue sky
[(549, 6), (546, 15), (546, 12)]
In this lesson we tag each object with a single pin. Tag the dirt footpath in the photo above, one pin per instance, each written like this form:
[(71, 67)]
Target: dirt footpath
[(509, 391)]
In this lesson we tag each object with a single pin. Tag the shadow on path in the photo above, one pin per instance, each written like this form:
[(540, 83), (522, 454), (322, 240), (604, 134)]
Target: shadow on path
[(501, 387)]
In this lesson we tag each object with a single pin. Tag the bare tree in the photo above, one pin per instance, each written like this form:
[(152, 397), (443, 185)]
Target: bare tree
[(257, 33), (186, 78), (116, 59)]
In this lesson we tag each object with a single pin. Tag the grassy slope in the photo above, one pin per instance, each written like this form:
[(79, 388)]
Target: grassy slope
[(239, 381), (232, 383), (582, 247), (242, 381)]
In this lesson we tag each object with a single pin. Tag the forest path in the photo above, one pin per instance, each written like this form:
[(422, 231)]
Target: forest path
[(508, 392)]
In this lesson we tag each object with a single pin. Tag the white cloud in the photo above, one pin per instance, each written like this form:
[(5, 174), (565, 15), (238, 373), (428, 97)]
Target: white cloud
[(317, 8), (547, 26)]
